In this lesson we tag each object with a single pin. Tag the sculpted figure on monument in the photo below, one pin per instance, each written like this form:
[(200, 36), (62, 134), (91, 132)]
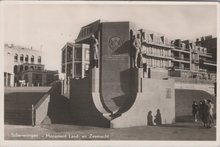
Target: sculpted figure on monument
[(94, 50), (138, 54)]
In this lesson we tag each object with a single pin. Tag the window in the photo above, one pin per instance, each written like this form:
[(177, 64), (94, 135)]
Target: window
[(39, 59), (86, 54), (26, 58), (78, 53), (26, 68), (86, 69), (21, 68), (32, 59), (69, 53), (78, 69), (15, 69), (32, 67), (16, 57), (22, 58), (38, 68)]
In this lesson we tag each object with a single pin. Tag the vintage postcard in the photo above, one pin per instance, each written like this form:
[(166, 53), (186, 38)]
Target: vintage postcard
[(109, 73)]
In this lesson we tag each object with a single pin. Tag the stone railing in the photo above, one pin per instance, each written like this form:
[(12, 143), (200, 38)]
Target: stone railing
[(40, 109)]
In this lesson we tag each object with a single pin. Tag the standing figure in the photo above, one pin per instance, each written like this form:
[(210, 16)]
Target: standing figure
[(94, 50), (195, 110), (157, 119), (200, 108), (211, 113), (137, 46), (150, 119)]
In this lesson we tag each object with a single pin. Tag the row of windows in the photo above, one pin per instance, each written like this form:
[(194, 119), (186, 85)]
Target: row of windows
[(26, 58), (85, 32), (158, 63), (157, 51), (25, 68), (200, 49), (77, 54), (156, 39)]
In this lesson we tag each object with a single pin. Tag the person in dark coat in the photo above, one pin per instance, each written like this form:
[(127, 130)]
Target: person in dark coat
[(201, 107), (195, 110), (157, 119), (150, 119)]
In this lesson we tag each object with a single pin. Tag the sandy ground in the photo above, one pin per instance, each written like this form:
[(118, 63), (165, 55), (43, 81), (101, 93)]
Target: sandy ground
[(178, 131)]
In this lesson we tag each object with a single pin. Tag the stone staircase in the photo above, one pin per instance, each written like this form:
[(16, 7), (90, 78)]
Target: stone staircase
[(18, 105)]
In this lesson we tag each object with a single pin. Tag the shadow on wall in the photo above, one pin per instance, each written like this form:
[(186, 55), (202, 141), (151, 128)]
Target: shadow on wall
[(125, 87), (58, 109), (83, 110), (126, 101)]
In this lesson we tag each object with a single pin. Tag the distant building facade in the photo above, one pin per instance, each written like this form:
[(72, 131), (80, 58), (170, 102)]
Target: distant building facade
[(23, 67)]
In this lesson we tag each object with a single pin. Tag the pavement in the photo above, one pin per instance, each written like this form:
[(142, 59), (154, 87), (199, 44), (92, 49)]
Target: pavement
[(178, 132)]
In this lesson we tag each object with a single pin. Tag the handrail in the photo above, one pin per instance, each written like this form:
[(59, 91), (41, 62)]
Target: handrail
[(209, 61), (41, 101), (179, 58), (54, 85), (181, 48)]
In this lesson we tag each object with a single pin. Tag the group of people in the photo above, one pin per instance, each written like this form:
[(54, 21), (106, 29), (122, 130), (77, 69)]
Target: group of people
[(205, 111), (157, 118)]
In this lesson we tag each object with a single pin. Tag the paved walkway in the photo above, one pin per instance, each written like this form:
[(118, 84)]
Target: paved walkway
[(178, 131)]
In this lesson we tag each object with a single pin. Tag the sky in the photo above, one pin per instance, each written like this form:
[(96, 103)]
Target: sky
[(47, 27)]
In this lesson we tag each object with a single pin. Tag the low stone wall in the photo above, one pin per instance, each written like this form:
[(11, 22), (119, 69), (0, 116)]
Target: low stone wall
[(41, 109)]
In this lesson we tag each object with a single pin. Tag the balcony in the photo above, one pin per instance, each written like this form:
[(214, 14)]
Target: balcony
[(209, 62), (181, 50), (157, 56), (205, 54), (158, 44), (181, 68), (180, 59)]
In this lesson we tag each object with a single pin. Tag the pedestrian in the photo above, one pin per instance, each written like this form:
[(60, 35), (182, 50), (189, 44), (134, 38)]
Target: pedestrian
[(206, 114), (211, 109), (157, 119), (195, 110), (200, 109), (150, 119)]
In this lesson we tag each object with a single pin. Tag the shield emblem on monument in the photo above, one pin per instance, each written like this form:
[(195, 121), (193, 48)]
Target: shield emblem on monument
[(114, 42)]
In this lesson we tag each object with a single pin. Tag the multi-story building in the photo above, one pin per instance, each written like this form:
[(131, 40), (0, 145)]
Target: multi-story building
[(191, 60), (23, 66), (75, 60), (210, 59)]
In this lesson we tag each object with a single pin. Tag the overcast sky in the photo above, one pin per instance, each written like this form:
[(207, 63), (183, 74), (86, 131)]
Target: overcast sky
[(48, 27)]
